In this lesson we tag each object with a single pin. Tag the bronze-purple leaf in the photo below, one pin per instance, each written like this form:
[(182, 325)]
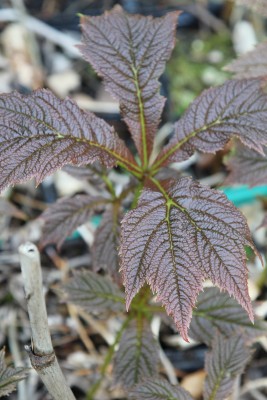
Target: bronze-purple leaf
[(159, 389), (252, 64), (106, 243), (130, 53), (67, 214), (93, 292), (176, 239), (40, 133), (217, 312), (226, 360), (137, 357), (248, 167), (9, 377), (237, 108)]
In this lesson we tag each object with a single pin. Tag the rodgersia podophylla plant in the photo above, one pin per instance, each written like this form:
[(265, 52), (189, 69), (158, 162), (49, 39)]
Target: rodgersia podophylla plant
[(173, 233)]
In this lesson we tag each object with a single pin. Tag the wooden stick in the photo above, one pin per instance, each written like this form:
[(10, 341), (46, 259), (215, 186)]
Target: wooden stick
[(41, 352)]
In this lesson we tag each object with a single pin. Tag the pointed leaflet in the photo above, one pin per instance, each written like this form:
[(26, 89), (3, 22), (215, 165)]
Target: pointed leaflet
[(252, 64), (40, 133), (106, 242), (93, 292), (64, 216), (248, 167), (237, 108), (159, 389), (9, 377), (217, 312), (175, 239), (130, 53), (226, 360), (137, 357)]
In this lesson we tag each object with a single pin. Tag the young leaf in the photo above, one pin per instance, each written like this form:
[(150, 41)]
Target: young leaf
[(130, 53), (237, 108), (93, 292), (137, 357), (186, 233), (40, 133), (223, 363), (64, 216), (106, 243), (252, 64), (9, 377), (247, 167), (159, 389), (217, 312)]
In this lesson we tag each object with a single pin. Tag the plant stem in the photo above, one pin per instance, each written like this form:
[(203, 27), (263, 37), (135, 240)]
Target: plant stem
[(108, 358), (41, 352)]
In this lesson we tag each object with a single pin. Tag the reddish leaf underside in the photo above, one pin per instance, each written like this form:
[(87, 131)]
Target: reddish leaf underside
[(252, 64), (130, 53), (189, 234), (40, 133), (237, 108), (247, 167), (67, 214)]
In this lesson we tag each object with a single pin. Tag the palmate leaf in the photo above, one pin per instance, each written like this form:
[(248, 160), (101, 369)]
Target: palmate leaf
[(137, 357), (93, 292), (217, 312), (9, 377), (186, 234), (159, 389), (130, 53), (67, 214), (106, 243), (226, 360), (237, 108), (252, 64), (248, 167), (40, 133)]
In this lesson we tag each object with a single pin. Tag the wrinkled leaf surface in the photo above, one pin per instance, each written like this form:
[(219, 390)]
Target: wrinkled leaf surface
[(186, 235), (67, 214), (159, 389), (137, 357), (237, 108), (130, 53), (217, 312), (40, 133), (226, 360)]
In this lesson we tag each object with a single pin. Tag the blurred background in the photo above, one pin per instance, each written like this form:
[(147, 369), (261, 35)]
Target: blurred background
[(37, 49)]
